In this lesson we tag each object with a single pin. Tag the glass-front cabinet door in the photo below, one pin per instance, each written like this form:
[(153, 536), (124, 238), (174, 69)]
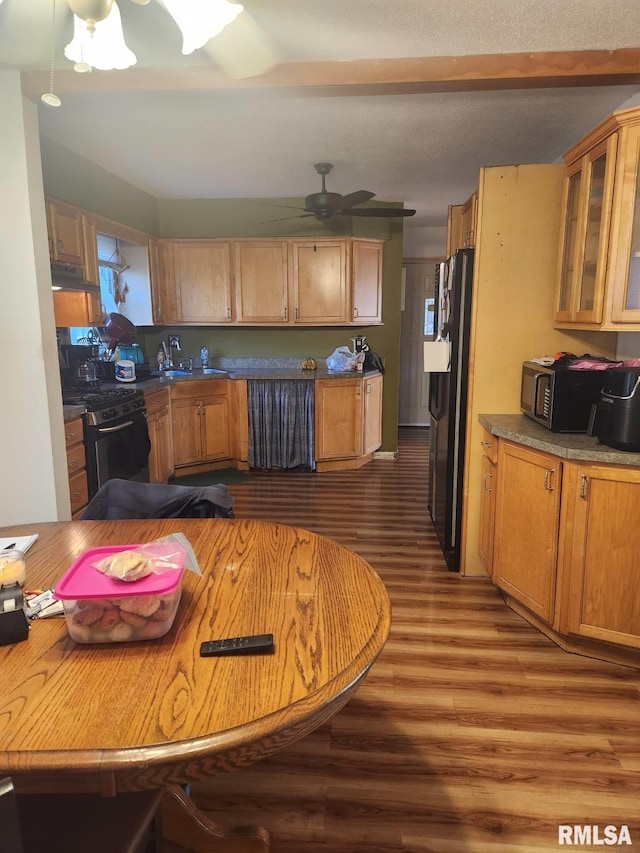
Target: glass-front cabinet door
[(625, 267), (583, 258)]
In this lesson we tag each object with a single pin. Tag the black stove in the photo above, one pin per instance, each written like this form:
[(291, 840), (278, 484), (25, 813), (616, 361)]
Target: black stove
[(103, 404)]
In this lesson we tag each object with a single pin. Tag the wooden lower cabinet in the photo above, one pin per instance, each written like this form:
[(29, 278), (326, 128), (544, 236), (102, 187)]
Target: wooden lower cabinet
[(527, 522), (602, 593), (372, 414), (565, 549), (158, 406), (488, 484), (76, 466), (348, 421), (200, 418)]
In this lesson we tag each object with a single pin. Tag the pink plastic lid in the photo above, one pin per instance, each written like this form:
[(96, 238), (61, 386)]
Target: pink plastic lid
[(81, 580)]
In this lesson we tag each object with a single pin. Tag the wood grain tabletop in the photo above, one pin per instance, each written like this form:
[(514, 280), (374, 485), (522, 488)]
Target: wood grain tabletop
[(130, 715)]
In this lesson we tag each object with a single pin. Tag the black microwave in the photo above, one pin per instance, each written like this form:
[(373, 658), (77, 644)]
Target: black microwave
[(558, 398)]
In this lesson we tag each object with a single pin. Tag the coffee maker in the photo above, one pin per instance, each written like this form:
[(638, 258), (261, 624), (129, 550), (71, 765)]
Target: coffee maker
[(79, 365), (615, 419)]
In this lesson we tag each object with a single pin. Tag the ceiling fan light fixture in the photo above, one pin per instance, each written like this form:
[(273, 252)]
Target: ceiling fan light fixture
[(91, 11), (201, 20), (104, 48)]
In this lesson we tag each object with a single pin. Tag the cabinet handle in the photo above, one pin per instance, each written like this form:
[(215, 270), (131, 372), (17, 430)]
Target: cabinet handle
[(70, 435), (484, 482), (75, 496), (368, 387), (487, 444), (60, 246), (358, 392), (284, 315), (355, 313), (547, 479), (228, 313), (296, 312), (73, 463), (583, 487)]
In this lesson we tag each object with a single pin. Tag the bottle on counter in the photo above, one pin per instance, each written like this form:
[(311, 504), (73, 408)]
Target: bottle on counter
[(204, 356), (160, 358)]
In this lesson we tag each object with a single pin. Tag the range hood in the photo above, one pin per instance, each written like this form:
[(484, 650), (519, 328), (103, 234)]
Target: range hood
[(68, 277)]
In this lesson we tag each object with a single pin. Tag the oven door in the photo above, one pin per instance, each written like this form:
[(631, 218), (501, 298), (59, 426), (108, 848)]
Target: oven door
[(119, 449)]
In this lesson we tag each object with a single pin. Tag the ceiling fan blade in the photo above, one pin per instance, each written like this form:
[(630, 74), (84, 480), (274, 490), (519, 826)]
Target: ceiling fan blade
[(358, 197), (378, 211), (243, 49), (287, 218)]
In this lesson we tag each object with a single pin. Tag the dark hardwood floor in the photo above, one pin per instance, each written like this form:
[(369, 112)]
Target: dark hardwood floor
[(472, 733)]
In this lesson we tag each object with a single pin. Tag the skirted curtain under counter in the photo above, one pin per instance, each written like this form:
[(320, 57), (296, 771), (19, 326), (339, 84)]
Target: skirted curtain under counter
[(281, 423)]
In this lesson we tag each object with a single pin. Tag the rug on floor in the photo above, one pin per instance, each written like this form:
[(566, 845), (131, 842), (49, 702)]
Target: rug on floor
[(211, 478)]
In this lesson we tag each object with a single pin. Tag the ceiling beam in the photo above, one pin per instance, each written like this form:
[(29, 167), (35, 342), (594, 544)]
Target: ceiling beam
[(367, 76)]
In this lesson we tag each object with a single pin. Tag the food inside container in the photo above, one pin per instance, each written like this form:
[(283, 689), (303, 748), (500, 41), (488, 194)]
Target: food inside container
[(102, 609), (12, 569)]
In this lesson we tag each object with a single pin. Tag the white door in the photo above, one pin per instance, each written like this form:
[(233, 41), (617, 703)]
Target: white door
[(416, 327)]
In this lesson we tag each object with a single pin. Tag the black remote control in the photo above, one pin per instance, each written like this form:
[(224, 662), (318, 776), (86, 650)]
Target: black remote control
[(259, 644)]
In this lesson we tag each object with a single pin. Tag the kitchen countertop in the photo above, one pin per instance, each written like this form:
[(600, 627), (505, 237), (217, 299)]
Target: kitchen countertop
[(241, 370), (570, 446)]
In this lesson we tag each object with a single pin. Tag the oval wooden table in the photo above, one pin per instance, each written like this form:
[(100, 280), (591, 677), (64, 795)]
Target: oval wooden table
[(128, 716)]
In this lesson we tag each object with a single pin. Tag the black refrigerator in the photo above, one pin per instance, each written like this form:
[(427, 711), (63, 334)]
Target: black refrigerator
[(448, 403)]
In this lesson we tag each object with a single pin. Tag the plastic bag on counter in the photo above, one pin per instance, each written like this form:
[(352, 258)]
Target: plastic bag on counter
[(162, 555), (342, 359)]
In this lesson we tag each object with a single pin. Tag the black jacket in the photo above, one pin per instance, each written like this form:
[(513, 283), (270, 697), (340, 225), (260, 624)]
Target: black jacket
[(130, 499)]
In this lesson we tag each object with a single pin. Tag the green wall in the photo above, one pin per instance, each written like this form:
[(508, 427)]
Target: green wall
[(74, 179)]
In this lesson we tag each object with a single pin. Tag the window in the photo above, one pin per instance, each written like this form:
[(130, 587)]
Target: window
[(429, 316)]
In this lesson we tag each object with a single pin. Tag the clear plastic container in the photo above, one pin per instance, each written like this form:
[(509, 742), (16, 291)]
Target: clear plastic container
[(12, 567), (101, 609)]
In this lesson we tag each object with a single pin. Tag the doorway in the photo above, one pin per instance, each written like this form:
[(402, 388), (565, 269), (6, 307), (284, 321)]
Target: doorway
[(416, 326)]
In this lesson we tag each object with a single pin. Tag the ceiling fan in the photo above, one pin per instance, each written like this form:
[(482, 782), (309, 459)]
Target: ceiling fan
[(324, 205)]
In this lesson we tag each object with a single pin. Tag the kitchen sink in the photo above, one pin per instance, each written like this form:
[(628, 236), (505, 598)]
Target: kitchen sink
[(184, 371)]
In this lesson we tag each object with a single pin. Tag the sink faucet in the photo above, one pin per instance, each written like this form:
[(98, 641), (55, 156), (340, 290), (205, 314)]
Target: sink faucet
[(174, 343)]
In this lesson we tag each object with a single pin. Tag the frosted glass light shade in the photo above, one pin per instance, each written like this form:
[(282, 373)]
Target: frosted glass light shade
[(105, 49), (201, 20)]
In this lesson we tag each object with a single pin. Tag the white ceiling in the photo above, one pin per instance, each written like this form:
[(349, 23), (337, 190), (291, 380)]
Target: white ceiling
[(421, 149)]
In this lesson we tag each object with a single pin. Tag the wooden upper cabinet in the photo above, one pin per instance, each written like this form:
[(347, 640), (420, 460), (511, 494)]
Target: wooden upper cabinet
[(202, 279), (318, 282), (260, 279), (66, 237), (599, 258), (461, 225), (469, 218), (366, 281), (585, 235)]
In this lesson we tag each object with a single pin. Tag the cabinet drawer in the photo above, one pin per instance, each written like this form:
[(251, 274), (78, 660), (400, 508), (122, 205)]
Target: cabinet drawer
[(198, 389), (73, 432), (157, 400), (489, 445), (75, 459), (78, 491)]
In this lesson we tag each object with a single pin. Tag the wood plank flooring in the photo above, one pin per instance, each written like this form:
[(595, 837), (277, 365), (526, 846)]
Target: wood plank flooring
[(473, 733)]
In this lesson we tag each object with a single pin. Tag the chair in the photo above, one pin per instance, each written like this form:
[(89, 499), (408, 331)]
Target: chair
[(77, 823), (119, 499)]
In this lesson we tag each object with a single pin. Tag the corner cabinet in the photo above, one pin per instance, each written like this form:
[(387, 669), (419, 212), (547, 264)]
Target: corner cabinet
[(348, 421), (599, 257)]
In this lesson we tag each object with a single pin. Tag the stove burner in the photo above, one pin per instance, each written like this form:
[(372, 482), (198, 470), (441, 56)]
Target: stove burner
[(93, 400)]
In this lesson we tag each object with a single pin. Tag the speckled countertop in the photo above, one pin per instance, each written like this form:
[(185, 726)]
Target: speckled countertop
[(572, 446), (235, 368)]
